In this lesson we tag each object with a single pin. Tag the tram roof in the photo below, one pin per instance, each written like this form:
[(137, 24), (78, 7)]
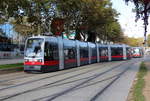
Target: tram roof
[(39, 36), (137, 47), (113, 45)]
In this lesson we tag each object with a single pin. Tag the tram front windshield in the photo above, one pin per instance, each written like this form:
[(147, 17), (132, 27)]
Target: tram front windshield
[(136, 51), (34, 47)]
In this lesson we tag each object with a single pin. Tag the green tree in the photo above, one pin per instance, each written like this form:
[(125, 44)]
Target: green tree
[(148, 40), (27, 13), (90, 18), (93, 17), (133, 41), (115, 33)]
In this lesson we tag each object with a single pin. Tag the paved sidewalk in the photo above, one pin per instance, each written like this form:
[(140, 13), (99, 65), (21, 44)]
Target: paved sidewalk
[(146, 90), (11, 61)]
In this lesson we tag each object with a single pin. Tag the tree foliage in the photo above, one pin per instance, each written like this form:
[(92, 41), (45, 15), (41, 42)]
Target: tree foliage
[(93, 17), (90, 19), (29, 13), (2, 33), (135, 42), (148, 40)]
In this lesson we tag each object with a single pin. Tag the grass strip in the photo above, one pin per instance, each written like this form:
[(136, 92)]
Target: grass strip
[(7, 66), (140, 83)]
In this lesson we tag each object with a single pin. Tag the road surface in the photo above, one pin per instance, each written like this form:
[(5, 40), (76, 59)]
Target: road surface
[(108, 81)]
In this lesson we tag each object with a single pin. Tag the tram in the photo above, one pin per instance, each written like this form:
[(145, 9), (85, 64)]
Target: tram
[(49, 53), (137, 52)]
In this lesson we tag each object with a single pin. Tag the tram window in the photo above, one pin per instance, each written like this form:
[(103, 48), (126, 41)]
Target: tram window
[(94, 53), (116, 51), (83, 52), (69, 53), (128, 51), (51, 51), (103, 51)]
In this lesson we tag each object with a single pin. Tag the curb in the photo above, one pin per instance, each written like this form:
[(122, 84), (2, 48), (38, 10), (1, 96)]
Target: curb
[(11, 70)]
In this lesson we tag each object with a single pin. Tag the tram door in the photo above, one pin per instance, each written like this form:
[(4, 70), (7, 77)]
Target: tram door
[(51, 55), (116, 53), (103, 52), (84, 57), (70, 57), (93, 53), (128, 51)]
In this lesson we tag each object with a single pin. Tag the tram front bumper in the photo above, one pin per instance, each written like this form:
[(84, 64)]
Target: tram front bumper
[(32, 68)]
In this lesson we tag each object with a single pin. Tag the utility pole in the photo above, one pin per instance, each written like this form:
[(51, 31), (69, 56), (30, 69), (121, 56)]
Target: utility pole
[(39, 29), (145, 38)]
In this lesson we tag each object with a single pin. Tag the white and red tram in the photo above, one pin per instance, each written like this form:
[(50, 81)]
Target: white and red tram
[(49, 53), (137, 52)]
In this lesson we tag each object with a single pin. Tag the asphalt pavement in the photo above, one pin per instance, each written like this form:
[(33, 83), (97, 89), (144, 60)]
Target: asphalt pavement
[(110, 81)]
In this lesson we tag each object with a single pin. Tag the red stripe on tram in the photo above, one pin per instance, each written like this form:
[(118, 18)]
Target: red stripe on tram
[(84, 59), (94, 57), (103, 57), (33, 63), (51, 63), (128, 55), (48, 63), (136, 55), (70, 61), (117, 56)]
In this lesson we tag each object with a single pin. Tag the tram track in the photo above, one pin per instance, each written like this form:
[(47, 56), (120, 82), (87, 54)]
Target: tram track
[(41, 87), (28, 75), (105, 79), (55, 96), (60, 84), (83, 79), (59, 74), (10, 96), (79, 80), (108, 85), (16, 78)]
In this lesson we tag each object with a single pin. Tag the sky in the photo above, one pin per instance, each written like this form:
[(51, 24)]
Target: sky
[(127, 19), (8, 28)]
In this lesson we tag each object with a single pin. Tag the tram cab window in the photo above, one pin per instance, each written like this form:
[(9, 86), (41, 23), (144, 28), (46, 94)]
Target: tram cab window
[(136, 51), (51, 51), (34, 47)]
